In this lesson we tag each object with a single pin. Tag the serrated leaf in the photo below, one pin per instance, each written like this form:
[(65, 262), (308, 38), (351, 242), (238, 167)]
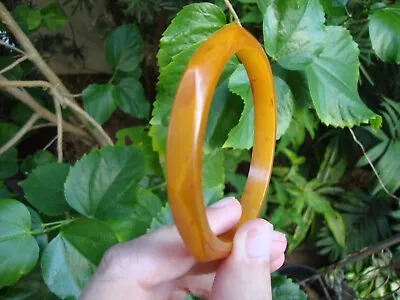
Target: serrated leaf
[(19, 251), (44, 188), (294, 32), (65, 270), (193, 24), (384, 28), (123, 48), (32, 17), (100, 101), (336, 225), (213, 175), (132, 99), (163, 218), (284, 288), (39, 158), (90, 237), (242, 135), (136, 215), (98, 181), (333, 78), (53, 18), (138, 137), (8, 163)]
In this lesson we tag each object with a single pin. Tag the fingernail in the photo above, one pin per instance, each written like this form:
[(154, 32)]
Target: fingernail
[(223, 203), (279, 236), (259, 241)]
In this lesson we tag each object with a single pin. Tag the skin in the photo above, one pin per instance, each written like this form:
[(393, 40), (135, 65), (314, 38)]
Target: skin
[(158, 266)]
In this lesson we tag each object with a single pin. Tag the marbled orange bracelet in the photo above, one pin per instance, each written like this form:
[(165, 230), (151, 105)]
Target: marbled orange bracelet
[(186, 137)]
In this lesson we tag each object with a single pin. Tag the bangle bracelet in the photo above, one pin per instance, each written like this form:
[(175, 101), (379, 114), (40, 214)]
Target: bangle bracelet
[(186, 137)]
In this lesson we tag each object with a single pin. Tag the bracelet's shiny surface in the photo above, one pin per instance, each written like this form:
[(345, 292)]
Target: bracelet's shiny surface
[(186, 136)]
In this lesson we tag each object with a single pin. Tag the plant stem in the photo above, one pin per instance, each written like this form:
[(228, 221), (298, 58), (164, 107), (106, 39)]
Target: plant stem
[(14, 64), (20, 134), (37, 59), (232, 11), (24, 97), (2, 43), (158, 186), (51, 228)]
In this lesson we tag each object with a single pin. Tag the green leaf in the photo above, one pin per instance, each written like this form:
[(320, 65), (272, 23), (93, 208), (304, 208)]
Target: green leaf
[(4, 192), (317, 202), (334, 8), (132, 99), (7, 131), (139, 138), (284, 288), (37, 225), (333, 81), (242, 135), (53, 18), (19, 251), (136, 215), (100, 101), (123, 48), (44, 188), (98, 182), (90, 237), (30, 287), (39, 158), (65, 270), (193, 25), (163, 218), (294, 32), (213, 176), (32, 17), (384, 28), (8, 163), (263, 5), (336, 225)]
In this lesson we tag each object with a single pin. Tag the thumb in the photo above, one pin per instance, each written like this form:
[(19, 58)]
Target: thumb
[(246, 273)]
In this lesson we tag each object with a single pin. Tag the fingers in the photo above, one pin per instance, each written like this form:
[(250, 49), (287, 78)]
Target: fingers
[(246, 273), (152, 259)]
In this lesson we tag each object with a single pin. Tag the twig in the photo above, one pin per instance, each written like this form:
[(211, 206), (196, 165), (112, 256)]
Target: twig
[(22, 83), (232, 11), (43, 67), (57, 107), (24, 97), (49, 143), (92, 121), (355, 257), (42, 126), (372, 166), (20, 134), (3, 43), (14, 64), (62, 100)]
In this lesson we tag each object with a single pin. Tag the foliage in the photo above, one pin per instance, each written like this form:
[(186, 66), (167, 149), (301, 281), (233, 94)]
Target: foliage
[(67, 214)]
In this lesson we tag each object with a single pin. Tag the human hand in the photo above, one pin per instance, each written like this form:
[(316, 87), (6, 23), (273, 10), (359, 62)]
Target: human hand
[(157, 266)]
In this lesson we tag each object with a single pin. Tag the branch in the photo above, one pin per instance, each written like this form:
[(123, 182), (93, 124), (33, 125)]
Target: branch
[(57, 107), (233, 12), (372, 166), (24, 97), (43, 67), (20, 134), (3, 43), (14, 64), (61, 100)]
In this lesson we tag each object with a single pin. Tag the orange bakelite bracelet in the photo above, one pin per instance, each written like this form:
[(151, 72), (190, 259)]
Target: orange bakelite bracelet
[(186, 137)]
